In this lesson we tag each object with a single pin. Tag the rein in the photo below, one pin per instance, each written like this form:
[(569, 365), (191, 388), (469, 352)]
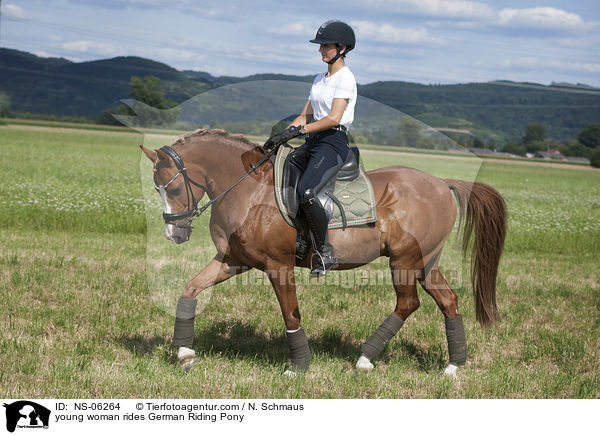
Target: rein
[(192, 211)]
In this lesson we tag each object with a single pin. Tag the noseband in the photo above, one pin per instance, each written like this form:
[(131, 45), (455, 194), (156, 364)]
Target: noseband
[(192, 204)]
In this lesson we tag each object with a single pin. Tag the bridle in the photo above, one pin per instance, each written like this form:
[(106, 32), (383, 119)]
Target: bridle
[(192, 203), (192, 211)]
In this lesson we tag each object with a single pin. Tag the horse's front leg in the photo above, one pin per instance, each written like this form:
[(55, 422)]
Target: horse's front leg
[(282, 279), (213, 273)]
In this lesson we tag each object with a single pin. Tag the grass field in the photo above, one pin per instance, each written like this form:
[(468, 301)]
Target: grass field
[(83, 314)]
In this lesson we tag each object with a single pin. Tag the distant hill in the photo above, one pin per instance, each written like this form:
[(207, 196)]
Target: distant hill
[(497, 110), (227, 80), (62, 87)]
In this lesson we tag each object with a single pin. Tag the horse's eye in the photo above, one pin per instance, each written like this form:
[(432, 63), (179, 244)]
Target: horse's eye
[(175, 191)]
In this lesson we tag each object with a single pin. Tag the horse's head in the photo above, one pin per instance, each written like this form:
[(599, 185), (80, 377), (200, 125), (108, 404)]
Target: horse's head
[(179, 193)]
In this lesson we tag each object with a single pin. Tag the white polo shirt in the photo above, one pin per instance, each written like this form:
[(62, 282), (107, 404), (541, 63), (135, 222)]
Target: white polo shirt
[(342, 84)]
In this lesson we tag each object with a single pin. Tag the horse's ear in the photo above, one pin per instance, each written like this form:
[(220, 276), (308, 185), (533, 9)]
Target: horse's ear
[(150, 154), (164, 157)]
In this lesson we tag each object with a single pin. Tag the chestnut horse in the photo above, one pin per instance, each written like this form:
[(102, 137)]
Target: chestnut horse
[(416, 213)]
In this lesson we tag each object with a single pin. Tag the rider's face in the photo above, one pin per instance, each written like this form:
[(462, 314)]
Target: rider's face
[(328, 51)]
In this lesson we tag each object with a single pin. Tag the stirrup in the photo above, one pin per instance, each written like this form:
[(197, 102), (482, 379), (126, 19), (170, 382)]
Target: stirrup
[(324, 264)]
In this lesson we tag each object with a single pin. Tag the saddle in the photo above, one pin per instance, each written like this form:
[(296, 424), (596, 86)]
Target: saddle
[(347, 198)]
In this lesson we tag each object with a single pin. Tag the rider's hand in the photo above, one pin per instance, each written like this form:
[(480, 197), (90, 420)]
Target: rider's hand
[(283, 136)]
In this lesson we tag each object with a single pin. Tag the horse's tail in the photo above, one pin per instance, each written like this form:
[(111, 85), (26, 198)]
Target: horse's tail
[(483, 211)]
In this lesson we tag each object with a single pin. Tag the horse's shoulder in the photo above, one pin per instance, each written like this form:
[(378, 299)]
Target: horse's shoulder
[(251, 158)]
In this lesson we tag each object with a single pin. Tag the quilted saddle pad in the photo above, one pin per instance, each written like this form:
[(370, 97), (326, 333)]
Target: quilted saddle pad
[(355, 197)]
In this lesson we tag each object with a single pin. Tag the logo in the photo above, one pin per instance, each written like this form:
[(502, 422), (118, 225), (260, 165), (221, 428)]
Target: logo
[(26, 414), (324, 26)]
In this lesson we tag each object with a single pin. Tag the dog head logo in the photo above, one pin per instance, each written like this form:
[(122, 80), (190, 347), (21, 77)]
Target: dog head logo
[(26, 414)]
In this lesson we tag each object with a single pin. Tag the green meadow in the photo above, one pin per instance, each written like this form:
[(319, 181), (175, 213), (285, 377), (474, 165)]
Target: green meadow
[(88, 285)]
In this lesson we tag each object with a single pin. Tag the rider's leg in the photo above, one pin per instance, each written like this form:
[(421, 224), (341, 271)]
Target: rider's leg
[(322, 167), (298, 161)]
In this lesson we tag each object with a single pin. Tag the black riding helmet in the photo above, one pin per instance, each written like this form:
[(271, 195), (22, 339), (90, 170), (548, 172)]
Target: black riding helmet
[(335, 32)]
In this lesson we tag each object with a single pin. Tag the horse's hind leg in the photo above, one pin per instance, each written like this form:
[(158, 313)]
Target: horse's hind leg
[(407, 301), (446, 299)]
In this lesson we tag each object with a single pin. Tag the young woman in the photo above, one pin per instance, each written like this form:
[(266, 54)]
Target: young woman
[(326, 118)]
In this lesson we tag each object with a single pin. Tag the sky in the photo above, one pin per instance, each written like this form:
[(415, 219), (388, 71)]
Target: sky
[(423, 41)]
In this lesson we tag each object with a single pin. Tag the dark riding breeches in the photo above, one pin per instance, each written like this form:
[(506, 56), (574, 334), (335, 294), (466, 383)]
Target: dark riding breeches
[(327, 151)]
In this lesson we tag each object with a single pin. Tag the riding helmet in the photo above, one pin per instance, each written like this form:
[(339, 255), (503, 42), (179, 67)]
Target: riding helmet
[(335, 32)]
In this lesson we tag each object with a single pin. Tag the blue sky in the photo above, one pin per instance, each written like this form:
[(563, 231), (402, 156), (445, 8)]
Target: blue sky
[(424, 41)]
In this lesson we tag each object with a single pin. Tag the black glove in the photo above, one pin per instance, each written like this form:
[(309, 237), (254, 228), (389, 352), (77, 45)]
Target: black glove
[(283, 136)]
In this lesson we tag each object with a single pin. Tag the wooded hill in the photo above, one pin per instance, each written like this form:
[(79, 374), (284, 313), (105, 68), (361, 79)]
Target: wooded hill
[(495, 111)]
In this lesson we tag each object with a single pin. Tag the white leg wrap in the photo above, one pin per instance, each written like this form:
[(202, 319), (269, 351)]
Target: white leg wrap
[(364, 363), (185, 351), (451, 371)]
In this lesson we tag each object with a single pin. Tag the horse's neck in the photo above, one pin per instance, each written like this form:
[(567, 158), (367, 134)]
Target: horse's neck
[(226, 160)]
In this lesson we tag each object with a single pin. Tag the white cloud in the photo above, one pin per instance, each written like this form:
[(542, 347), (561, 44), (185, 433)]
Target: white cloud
[(13, 10), (578, 44), (541, 17), (380, 68), (535, 63), (473, 15), (463, 9), (179, 54), (98, 48), (585, 67), (451, 8), (395, 35), (293, 29), (527, 62), (42, 53)]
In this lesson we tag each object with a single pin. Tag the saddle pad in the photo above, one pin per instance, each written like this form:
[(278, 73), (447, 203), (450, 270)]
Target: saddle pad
[(356, 196)]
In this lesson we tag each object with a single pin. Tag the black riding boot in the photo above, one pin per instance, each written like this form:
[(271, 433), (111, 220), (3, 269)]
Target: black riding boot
[(298, 160), (317, 223), (302, 237)]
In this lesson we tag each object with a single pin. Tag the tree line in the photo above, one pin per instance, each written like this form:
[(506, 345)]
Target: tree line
[(409, 133), (585, 144)]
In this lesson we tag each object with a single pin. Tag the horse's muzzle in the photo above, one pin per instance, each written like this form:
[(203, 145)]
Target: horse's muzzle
[(177, 234)]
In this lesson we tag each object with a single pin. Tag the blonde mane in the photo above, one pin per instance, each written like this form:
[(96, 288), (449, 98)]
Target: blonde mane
[(240, 138)]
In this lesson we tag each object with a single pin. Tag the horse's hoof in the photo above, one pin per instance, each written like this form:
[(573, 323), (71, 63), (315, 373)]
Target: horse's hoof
[(364, 363), (290, 374), (187, 362), (451, 371)]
